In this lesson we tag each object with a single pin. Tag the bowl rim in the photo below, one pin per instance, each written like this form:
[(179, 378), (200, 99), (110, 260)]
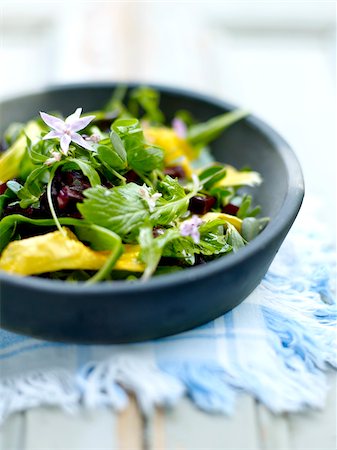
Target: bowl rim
[(282, 220)]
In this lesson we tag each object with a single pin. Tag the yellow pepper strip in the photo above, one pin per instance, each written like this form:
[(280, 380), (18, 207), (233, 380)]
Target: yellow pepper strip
[(54, 251), (236, 178), (235, 221), (177, 151), (10, 160)]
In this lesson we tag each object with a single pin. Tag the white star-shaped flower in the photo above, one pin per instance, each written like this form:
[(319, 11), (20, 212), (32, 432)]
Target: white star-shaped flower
[(66, 130)]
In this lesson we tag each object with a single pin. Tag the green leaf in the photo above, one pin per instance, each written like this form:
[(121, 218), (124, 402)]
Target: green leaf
[(119, 209), (148, 100), (172, 204), (203, 133), (234, 238), (152, 248), (101, 239), (9, 223), (251, 227), (141, 157), (245, 209), (212, 175), (87, 169)]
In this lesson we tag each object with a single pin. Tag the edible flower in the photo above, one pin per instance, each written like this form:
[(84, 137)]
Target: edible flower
[(55, 156), (66, 130), (190, 228), (150, 199), (179, 127)]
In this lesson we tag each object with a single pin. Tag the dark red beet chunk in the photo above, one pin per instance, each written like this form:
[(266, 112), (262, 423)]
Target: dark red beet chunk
[(230, 209), (175, 172), (68, 189), (201, 204), (157, 231), (3, 188), (133, 177)]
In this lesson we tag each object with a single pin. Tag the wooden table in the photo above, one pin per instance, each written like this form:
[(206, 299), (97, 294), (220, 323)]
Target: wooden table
[(252, 427)]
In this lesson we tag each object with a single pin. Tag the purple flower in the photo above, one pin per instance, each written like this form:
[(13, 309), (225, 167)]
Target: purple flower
[(191, 228), (66, 130), (179, 127)]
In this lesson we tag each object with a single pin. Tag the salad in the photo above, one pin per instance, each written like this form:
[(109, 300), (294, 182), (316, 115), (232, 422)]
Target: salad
[(120, 193)]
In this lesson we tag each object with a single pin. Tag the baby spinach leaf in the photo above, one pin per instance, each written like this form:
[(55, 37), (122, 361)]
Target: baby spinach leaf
[(119, 209)]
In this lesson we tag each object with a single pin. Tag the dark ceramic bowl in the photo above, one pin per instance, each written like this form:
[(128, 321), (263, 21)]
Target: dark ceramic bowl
[(127, 312)]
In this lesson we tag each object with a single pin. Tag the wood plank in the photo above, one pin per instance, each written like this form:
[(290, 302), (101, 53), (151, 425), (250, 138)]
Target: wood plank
[(130, 426), (273, 429), (316, 430), (102, 429), (188, 428), (12, 433)]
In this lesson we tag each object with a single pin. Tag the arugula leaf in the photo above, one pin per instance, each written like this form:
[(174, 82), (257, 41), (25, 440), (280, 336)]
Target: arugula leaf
[(172, 204), (152, 248), (251, 227), (119, 209), (203, 133)]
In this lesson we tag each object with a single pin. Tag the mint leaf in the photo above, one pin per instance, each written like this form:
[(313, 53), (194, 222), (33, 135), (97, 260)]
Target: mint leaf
[(234, 238), (119, 209)]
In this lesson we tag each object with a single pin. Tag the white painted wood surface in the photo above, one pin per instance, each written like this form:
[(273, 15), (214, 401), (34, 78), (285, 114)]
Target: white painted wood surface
[(276, 58), (252, 427)]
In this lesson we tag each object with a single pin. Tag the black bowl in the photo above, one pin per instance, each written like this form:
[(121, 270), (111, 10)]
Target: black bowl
[(127, 312)]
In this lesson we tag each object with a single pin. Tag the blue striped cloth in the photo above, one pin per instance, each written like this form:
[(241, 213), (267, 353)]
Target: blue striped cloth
[(277, 345)]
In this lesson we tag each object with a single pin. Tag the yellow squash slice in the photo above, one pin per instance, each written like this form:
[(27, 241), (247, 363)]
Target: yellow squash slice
[(56, 251), (235, 221), (10, 160), (177, 150), (237, 178)]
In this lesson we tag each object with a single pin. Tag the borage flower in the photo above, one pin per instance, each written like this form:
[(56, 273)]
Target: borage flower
[(190, 228), (151, 199), (56, 156), (66, 130)]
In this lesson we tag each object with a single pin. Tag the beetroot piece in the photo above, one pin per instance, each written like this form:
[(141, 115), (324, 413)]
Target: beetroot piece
[(175, 172), (201, 204), (133, 177), (230, 209), (158, 231), (67, 190), (3, 188)]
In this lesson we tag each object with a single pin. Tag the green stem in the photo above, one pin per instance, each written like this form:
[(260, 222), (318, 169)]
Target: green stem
[(50, 199), (105, 270)]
